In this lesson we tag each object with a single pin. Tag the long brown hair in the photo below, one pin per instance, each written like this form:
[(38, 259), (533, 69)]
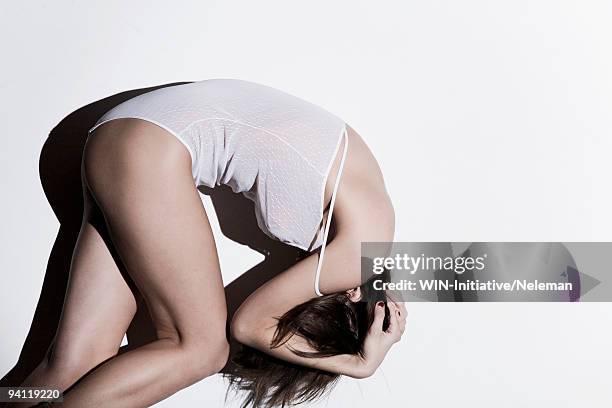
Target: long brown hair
[(332, 324)]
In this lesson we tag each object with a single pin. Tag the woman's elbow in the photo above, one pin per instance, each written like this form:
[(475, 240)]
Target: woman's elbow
[(240, 329), (248, 330), (363, 373)]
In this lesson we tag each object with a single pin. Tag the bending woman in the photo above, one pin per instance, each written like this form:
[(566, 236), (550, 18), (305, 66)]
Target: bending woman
[(299, 164)]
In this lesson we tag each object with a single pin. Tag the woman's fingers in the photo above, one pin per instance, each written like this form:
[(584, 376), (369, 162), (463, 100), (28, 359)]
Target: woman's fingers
[(379, 316), (394, 324), (400, 311), (402, 306), (403, 311), (404, 316), (397, 318), (403, 325)]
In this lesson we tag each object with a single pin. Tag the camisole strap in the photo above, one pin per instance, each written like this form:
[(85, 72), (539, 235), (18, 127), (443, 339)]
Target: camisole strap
[(329, 215)]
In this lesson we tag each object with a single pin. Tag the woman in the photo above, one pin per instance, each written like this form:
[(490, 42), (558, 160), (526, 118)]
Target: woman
[(299, 164)]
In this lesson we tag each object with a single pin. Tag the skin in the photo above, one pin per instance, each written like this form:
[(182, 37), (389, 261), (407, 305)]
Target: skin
[(168, 249), (363, 212)]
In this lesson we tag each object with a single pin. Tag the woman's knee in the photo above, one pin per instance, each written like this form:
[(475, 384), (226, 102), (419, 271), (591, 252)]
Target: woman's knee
[(204, 357), (70, 364)]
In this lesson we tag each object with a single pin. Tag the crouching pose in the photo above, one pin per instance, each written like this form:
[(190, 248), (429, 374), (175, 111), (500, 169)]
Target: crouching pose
[(301, 330)]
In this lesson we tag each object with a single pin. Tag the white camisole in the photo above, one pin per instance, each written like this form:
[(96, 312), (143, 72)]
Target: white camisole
[(273, 147)]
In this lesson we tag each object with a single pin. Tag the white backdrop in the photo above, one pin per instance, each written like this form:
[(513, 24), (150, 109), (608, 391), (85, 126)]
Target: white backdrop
[(491, 121)]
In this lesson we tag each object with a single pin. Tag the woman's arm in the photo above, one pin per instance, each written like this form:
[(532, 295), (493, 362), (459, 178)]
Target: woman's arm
[(377, 344), (254, 324)]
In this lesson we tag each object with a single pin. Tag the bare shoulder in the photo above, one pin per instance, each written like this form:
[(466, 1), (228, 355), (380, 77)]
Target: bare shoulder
[(364, 208), (363, 213)]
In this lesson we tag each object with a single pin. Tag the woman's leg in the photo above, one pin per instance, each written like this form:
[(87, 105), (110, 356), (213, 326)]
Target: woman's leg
[(141, 179), (98, 308)]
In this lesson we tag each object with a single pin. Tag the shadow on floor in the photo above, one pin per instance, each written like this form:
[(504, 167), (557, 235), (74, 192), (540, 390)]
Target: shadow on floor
[(60, 176)]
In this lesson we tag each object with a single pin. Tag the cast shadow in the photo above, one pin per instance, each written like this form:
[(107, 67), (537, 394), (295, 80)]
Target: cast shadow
[(59, 167)]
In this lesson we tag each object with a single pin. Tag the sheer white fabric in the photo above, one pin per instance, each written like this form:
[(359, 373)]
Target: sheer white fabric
[(273, 147)]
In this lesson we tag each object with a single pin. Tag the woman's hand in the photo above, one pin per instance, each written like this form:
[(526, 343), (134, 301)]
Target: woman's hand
[(378, 341)]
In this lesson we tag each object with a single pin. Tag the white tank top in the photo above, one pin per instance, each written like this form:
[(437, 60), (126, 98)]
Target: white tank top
[(273, 147)]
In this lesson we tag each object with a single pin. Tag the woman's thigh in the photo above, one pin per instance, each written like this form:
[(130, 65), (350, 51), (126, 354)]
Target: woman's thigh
[(99, 303), (140, 177)]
